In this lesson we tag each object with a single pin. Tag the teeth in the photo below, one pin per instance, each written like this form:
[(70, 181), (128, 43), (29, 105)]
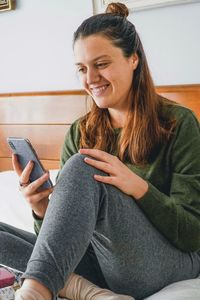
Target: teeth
[(99, 90)]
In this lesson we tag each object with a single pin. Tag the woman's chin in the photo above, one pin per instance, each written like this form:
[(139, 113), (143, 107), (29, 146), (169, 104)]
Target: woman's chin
[(101, 105)]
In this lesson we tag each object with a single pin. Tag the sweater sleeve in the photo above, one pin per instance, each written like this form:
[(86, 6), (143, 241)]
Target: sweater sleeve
[(71, 143), (177, 215), (69, 148)]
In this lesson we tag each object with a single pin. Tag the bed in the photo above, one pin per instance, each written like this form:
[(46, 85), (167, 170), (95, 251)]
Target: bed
[(44, 119)]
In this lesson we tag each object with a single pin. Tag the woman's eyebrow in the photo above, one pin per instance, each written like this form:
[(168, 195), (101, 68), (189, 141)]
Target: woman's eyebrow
[(95, 59)]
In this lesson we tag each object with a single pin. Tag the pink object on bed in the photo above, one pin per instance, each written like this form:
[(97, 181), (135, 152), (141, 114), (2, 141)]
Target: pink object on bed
[(6, 278)]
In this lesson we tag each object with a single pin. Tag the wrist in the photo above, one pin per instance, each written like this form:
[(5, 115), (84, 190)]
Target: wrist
[(36, 216), (140, 188)]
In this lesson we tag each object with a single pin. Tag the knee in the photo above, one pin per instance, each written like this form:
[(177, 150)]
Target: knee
[(77, 170), (3, 227), (77, 159), (76, 165), (4, 237)]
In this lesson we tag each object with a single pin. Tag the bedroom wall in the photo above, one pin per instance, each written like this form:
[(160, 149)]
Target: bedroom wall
[(36, 44), (36, 52), (170, 36)]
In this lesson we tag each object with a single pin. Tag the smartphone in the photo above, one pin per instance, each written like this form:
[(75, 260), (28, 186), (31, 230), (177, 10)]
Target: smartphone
[(25, 152)]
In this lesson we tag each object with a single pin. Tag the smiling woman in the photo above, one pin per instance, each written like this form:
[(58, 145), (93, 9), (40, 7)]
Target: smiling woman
[(123, 220)]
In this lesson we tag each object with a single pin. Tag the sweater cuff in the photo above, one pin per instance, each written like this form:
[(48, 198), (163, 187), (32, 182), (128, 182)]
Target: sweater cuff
[(35, 217), (37, 223), (153, 200)]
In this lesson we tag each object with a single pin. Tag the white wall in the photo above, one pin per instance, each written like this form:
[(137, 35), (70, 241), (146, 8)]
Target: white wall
[(171, 39), (36, 44)]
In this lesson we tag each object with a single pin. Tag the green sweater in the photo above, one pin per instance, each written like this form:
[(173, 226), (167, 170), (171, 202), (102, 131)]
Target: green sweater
[(172, 202)]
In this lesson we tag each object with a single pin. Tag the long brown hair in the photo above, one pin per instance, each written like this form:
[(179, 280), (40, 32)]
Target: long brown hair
[(145, 128)]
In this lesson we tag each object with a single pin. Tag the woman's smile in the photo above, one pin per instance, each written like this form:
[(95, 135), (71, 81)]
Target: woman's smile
[(100, 90)]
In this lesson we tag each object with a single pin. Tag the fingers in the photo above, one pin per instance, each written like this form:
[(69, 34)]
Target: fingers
[(103, 161), (35, 185), (36, 198), (16, 165), (105, 179), (103, 166), (98, 154), (25, 175)]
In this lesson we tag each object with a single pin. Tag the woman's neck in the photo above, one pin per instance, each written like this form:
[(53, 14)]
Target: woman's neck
[(118, 118)]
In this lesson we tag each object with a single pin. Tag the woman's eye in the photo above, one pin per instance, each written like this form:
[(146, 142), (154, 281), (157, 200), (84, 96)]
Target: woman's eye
[(81, 70), (101, 65)]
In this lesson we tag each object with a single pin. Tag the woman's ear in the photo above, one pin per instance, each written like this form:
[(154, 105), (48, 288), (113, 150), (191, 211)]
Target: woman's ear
[(135, 60)]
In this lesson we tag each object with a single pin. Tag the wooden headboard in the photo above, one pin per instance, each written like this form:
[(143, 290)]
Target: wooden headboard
[(45, 117)]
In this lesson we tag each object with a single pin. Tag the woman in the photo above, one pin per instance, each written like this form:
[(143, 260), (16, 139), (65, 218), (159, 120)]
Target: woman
[(125, 212)]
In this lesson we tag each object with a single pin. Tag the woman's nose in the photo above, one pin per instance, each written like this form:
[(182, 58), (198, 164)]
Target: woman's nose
[(92, 76)]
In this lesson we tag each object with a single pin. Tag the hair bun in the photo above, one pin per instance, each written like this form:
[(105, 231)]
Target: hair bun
[(118, 9)]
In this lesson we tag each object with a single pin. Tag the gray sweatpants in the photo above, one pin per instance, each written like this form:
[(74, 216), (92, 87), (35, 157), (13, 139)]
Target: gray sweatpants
[(131, 255)]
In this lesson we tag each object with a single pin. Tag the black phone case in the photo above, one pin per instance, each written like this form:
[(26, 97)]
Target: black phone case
[(25, 152)]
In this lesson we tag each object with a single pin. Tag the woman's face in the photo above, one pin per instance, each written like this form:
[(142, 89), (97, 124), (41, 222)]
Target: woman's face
[(104, 72)]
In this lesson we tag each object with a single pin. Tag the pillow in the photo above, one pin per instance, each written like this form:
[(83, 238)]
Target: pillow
[(14, 210), (181, 290)]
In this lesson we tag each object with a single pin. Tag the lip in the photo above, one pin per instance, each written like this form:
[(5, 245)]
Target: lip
[(99, 90)]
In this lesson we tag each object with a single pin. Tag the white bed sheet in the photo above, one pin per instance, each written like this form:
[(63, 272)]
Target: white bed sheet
[(14, 210)]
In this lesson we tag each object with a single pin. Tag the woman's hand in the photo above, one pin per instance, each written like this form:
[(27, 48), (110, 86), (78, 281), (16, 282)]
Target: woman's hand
[(38, 200), (119, 174)]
